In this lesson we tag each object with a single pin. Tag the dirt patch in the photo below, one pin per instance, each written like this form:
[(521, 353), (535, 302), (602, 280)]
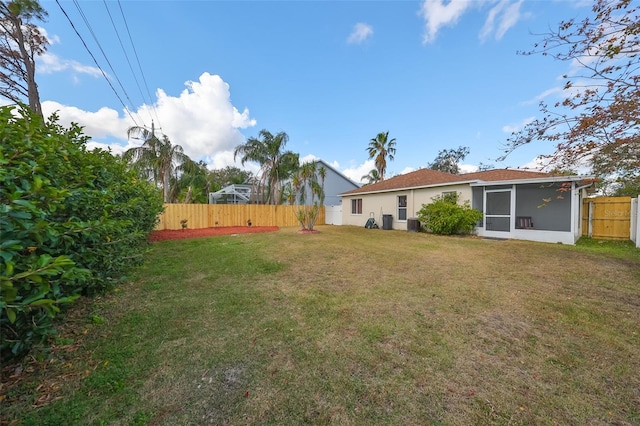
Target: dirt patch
[(178, 234)]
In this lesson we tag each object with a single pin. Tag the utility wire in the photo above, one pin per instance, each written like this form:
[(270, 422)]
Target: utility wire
[(125, 55), (95, 38), (153, 105), (96, 62)]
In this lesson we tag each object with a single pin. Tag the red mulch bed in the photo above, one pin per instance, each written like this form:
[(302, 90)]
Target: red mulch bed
[(178, 234)]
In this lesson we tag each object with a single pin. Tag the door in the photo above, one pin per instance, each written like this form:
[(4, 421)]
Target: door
[(498, 213)]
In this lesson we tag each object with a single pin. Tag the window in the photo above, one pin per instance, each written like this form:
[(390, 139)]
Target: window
[(356, 206), (402, 207)]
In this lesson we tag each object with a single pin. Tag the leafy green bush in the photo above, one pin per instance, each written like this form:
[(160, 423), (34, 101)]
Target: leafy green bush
[(72, 221), (445, 216)]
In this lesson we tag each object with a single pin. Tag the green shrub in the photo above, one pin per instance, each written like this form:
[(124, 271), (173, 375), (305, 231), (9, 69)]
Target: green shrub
[(72, 221), (445, 216)]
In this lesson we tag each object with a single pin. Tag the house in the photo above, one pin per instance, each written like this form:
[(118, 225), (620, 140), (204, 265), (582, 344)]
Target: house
[(232, 194), (516, 204), (335, 183)]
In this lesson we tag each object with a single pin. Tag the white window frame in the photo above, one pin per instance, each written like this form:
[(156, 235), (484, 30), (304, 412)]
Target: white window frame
[(400, 208), (357, 203)]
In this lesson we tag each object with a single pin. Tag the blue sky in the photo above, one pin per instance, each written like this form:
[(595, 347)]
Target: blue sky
[(332, 74)]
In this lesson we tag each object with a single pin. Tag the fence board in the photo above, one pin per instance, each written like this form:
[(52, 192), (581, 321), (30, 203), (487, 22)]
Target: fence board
[(607, 218), (211, 215)]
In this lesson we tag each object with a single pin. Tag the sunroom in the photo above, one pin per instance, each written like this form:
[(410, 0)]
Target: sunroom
[(546, 210)]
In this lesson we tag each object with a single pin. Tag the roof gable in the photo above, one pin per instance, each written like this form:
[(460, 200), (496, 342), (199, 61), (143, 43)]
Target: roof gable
[(336, 172)]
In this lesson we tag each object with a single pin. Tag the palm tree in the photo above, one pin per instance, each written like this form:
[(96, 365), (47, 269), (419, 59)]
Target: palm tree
[(155, 159), (192, 180), (308, 183), (372, 177), (380, 148), (275, 164)]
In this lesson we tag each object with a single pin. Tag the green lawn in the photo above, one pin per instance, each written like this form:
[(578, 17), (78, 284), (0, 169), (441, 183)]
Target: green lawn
[(351, 326)]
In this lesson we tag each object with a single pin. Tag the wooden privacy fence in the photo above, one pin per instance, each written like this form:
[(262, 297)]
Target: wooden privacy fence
[(212, 215), (607, 218)]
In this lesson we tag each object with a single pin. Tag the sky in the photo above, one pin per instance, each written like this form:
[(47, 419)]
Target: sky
[(331, 74)]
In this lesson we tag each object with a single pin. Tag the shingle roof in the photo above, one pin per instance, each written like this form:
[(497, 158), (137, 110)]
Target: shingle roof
[(506, 174), (428, 177), (422, 177)]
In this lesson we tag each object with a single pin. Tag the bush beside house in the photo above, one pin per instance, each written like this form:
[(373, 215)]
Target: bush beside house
[(445, 216)]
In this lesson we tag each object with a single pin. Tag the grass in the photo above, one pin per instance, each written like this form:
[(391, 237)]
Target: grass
[(352, 326)]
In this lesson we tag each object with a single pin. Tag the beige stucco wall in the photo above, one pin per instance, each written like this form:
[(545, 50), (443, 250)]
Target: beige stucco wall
[(387, 203)]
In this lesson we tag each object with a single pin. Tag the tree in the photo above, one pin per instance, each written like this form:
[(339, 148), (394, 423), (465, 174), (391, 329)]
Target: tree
[(372, 177), (597, 121), (276, 164), (190, 183), (230, 175), (308, 192), (448, 159), (155, 159), (380, 148), (20, 42)]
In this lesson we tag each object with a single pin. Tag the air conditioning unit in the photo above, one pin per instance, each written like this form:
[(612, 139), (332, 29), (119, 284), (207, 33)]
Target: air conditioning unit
[(413, 225)]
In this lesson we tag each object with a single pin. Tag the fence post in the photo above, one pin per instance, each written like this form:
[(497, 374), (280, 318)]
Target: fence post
[(590, 220), (637, 216)]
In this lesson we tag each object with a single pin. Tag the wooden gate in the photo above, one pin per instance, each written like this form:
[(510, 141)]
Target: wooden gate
[(607, 218)]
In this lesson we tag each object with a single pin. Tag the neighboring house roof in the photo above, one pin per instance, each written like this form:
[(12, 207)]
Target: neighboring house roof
[(425, 178), (330, 167)]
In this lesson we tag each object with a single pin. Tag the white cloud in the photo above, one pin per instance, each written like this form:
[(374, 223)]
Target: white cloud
[(360, 33), (201, 119), (506, 13), (502, 16), (104, 123), (468, 168), (438, 14), (48, 63), (355, 173), (516, 127), (407, 170), (309, 158), (545, 164), (536, 164), (222, 159), (52, 38), (114, 148)]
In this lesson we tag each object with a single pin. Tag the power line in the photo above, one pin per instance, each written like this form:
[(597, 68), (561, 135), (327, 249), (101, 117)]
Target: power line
[(153, 106), (96, 62), (125, 54), (95, 38)]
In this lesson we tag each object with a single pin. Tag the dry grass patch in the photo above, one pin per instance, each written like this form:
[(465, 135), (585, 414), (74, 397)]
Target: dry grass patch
[(357, 326)]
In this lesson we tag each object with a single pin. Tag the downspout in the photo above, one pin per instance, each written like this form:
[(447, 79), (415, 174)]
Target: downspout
[(577, 190)]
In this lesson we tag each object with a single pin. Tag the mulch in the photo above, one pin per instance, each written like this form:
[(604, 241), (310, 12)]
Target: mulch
[(179, 234)]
